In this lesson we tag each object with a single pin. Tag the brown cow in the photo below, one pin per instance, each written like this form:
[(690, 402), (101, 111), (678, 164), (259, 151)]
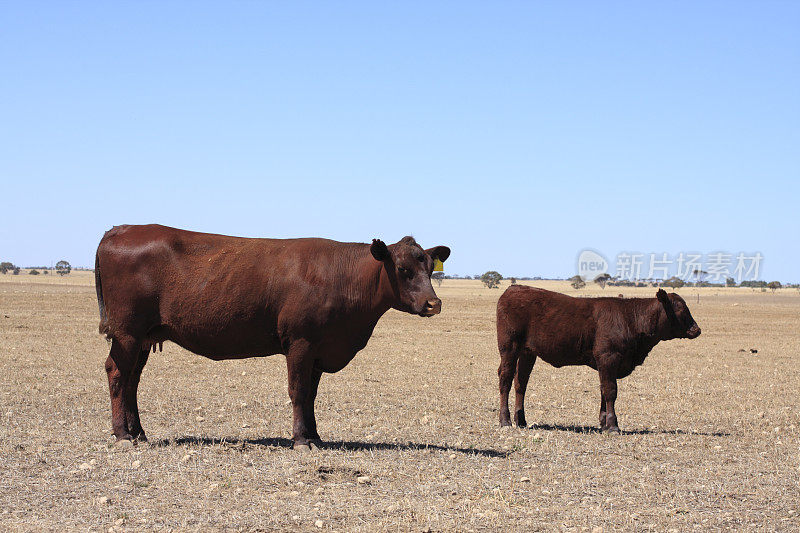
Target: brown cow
[(314, 300), (611, 335)]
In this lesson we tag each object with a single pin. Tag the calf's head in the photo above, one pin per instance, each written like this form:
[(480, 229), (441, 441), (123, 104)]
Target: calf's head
[(678, 323), (409, 268)]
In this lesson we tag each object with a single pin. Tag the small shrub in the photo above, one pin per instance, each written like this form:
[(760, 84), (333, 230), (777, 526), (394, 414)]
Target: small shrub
[(674, 282), (492, 279), (63, 268), (34, 272), (577, 282), (602, 279)]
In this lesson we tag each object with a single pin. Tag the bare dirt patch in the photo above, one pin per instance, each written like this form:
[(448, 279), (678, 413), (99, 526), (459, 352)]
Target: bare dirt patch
[(710, 433)]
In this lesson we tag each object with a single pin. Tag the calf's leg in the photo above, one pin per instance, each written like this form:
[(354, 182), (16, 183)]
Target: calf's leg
[(602, 409), (608, 394), (524, 367)]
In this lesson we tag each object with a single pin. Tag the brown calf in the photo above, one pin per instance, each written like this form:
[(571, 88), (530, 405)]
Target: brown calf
[(611, 335)]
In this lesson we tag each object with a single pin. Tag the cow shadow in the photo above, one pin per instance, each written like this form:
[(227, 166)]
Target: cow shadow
[(231, 442), (595, 429), (340, 445)]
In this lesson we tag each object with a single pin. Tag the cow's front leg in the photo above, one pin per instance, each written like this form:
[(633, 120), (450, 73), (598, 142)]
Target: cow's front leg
[(301, 392), (608, 394), (310, 417)]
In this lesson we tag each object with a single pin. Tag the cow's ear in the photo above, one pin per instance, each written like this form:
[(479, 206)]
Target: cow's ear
[(379, 250), (662, 297), (439, 252)]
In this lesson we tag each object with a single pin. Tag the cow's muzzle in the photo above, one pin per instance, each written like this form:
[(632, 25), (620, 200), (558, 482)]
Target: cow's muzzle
[(693, 332), (432, 307)]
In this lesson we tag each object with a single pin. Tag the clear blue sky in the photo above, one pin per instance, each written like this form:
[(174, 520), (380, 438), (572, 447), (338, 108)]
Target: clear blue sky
[(517, 133)]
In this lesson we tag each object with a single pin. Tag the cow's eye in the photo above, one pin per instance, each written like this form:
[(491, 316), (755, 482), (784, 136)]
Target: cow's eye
[(405, 272)]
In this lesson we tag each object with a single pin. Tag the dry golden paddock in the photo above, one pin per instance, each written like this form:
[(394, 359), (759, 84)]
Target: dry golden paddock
[(710, 432)]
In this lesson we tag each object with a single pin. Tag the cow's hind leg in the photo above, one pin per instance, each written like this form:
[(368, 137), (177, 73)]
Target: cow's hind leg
[(524, 368), (131, 399), (508, 364), (119, 365), (602, 409)]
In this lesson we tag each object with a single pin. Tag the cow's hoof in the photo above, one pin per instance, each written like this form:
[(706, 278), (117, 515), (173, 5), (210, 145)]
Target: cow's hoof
[(505, 423), (611, 429), (302, 448), (123, 444)]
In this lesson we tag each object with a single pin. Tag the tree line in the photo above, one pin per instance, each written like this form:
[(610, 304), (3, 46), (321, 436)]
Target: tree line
[(491, 279), (62, 268)]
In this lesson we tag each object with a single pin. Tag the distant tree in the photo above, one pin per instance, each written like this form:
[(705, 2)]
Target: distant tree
[(15, 271), (602, 279), (698, 276), (34, 272), (730, 282), (577, 282), (774, 285), (63, 268), (755, 284), (674, 282), (438, 277), (5, 266), (45, 272), (492, 279), (513, 281)]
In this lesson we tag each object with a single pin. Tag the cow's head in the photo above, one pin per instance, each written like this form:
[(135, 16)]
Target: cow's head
[(409, 270), (679, 323)]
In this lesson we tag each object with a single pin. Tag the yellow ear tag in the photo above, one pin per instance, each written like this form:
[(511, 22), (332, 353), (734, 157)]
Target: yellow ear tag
[(438, 266)]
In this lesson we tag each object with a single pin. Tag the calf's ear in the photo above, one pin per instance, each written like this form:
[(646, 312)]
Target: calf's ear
[(379, 250), (439, 252), (662, 297)]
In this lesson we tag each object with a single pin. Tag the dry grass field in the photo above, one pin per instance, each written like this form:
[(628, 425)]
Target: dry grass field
[(709, 442)]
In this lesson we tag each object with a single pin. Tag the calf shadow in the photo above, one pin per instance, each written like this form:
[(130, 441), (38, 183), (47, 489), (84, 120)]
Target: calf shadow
[(342, 445), (595, 429)]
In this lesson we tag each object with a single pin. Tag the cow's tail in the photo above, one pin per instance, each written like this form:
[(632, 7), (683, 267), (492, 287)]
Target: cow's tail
[(99, 288)]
